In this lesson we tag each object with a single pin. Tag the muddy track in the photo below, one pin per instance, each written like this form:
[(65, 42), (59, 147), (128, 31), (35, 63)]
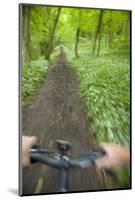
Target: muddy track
[(57, 112)]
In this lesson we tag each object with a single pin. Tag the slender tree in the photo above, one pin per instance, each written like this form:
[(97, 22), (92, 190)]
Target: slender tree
[(77, 34), (52, 34), (99, 42), (77, 41), (26, 33), (110, 33), (97, 33)]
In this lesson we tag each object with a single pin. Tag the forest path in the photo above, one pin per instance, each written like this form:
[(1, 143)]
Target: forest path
[(57, 112)]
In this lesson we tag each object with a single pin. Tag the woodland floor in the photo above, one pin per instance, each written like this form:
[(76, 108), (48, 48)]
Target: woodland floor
[(57, 112)]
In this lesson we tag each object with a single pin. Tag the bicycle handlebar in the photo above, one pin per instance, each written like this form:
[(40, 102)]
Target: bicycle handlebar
[(62, 161), (38, 157), (58, 159)]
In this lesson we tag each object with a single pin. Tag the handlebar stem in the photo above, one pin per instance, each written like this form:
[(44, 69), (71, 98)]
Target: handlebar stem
[(63, 179)]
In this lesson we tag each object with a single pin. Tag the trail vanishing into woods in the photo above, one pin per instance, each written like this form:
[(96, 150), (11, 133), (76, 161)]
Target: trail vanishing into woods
[(57, 112)]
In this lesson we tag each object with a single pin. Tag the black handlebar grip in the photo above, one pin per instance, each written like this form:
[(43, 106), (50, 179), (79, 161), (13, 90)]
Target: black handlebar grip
[(33, 150), (32, 160), (100, 151)]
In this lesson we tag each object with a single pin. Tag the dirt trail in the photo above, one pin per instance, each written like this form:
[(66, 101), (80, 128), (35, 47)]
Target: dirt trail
[(57, 112)]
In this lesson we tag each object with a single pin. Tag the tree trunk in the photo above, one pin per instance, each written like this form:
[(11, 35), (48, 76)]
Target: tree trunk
[(99, 42), (97, 30), (26, 33), (77, 41), (52, 34), (106, 40), (77, 34), (110, 33), (126, 31)]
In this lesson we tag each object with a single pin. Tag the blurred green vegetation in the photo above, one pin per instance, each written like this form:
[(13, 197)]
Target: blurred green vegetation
[(105, 88), (33, 74), (97, 45)]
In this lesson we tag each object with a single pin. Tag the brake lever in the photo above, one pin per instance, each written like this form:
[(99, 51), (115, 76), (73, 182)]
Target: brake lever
[(87, 159), (36, 148), (98, 152)]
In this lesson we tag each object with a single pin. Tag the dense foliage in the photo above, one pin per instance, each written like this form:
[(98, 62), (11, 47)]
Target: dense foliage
[(32, 75), (105, 87)]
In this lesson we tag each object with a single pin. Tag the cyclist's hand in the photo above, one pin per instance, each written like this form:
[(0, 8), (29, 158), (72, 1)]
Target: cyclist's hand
[(116, 156), (27, 143)]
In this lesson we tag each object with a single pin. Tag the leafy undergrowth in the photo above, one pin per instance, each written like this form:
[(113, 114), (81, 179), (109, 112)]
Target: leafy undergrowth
[(32, 75), (105, 89)]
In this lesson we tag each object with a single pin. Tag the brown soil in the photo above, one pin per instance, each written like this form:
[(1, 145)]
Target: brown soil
[(57, 112)]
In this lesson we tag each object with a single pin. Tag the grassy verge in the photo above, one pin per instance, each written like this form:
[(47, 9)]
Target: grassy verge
[(105, 89), (32, 76)]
